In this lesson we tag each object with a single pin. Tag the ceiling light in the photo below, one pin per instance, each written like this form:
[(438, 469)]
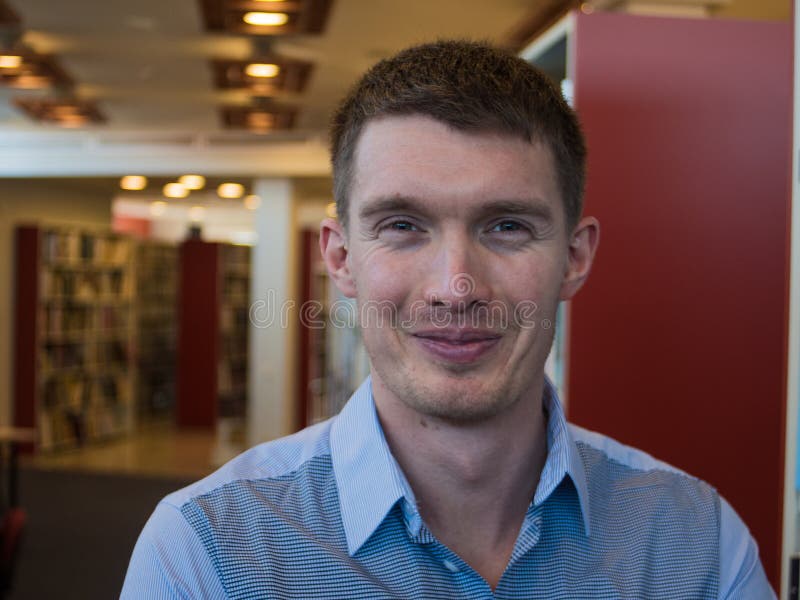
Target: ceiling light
[(31, 82), (65, 110), (175, 190), (252, 202), (266, 19), (230, 190), (262, 70), (260, 120), (192, 182), (72, 120), (133, 182), (196, 213), (158, 208), (10, 61)]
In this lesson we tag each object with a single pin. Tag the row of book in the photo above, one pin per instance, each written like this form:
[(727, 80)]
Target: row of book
[(96, 356), (89, 321), (85, 286), (68, 246)]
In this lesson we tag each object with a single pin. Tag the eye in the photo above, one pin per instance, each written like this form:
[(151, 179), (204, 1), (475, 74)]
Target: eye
[(401, 226), (510, 227), (397, 226)]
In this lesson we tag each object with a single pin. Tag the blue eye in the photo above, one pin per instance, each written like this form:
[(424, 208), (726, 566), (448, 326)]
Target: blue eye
[(402, 226), (507, 226), (398, 226)]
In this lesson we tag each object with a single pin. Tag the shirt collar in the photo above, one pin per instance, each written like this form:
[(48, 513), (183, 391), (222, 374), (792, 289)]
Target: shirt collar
[(368, 478), (370, 482), (563, 458)]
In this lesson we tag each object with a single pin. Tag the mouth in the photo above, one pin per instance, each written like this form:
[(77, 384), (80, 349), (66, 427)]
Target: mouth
[(457, 346)]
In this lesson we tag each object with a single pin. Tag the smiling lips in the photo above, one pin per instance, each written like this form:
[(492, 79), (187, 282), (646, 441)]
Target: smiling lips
[(461, 346)]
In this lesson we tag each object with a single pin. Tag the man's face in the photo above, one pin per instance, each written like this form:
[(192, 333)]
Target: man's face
[(457, 253)]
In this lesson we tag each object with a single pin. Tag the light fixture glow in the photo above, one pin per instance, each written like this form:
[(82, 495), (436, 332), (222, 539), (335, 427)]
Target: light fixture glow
[(72, 121), (230, 190), (158, 208), (192, 182), (252, 202), (260, 120), (66, 110), (133, 183), (262, 70), (175, 190), (196, 213), (10, 61), (30, 82), (266, 19)]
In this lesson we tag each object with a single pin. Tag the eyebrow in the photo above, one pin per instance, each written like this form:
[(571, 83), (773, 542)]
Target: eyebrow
[(391, 204), (535, 208)]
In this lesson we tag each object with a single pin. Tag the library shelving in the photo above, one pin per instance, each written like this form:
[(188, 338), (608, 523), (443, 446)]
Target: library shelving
[(156, 327), (331, 358), (214, 301), (73, 334)]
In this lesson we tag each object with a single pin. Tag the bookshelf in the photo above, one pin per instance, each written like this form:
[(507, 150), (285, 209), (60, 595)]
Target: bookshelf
[(73, 334), (234, 319), (156, 318), (214, 301)]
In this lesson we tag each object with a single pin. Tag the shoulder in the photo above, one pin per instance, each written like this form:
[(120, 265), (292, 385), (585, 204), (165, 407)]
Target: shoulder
[(629, 484), (271, 461), (596, 447)]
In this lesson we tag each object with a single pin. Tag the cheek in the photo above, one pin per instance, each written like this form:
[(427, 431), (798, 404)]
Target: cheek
[(381, 280)]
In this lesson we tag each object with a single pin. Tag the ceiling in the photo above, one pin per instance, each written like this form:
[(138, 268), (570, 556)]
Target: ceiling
[(146, 64)]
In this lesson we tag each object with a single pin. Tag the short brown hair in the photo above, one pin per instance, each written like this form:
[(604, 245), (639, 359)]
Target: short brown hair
[(469, 86)]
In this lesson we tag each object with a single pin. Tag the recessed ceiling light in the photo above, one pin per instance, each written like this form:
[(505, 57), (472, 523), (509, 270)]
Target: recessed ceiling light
[(175, 190), (158, 208), (31, 82), (10, 61), (266, 19), (252, 202), (133, 182), (192, 182), (196, 213), (230, 190), (262, 70), (260, 120)]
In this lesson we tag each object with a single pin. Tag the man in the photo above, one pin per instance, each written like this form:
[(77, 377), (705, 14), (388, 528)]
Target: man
[(451, 472)]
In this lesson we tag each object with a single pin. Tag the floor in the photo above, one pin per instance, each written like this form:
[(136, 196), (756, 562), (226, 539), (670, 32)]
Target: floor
[(159, 450), (86, 507)]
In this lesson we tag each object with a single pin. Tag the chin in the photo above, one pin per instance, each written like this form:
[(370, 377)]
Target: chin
[(454, 399)]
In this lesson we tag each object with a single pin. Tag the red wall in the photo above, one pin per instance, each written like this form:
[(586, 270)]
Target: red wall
[(677, 341)]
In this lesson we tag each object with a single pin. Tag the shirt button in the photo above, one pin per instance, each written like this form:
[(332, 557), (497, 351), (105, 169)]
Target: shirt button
[(450, 566)]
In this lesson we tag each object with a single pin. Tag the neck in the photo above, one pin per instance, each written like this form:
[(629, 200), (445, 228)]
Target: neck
[(473, 481)]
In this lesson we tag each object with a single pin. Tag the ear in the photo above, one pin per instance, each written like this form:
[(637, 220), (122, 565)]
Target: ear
[(333, 245), (582, 247)]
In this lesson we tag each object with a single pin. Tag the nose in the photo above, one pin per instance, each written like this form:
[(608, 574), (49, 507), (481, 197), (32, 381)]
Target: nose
[(456, 275)]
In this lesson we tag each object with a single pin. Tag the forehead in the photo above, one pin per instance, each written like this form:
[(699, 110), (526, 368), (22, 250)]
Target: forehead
[(450, 170)]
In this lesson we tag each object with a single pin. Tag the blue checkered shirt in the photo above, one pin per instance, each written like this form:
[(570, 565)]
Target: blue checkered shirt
[(327, 513)]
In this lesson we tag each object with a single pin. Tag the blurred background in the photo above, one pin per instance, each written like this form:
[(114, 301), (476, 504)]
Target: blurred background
[(163, 172)]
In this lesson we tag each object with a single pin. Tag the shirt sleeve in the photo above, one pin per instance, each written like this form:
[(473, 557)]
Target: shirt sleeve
[(169, 561), (741, 574)]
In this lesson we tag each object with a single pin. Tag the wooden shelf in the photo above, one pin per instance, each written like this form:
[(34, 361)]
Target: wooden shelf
[(74, 293)]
